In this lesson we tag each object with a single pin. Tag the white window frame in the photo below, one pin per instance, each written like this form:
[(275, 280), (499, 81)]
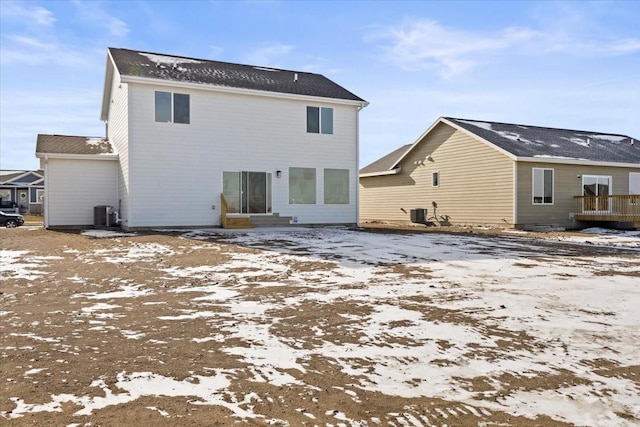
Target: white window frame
[(39, 197), (328, 199), (172, 112), (304, 170), (610, 188), (320, 121), (533, 187), (634, 187)]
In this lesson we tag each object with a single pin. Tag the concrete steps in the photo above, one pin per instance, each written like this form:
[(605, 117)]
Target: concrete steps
[(274, 220)]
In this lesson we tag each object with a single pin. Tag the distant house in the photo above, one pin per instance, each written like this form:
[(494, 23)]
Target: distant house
[(280, 145), (477, 172), (22, 191)]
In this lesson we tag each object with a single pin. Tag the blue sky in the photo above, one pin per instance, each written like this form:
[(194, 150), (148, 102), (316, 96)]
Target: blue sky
[(572, 65)]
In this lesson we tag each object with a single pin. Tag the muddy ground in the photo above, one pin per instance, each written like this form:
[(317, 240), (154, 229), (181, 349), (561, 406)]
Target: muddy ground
[(137, 330)]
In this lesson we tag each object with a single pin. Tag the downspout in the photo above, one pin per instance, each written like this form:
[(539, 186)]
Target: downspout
[(358, 109), (515, 193), (46, 191)]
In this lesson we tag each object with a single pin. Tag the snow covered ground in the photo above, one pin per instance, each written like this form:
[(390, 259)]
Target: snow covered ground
[(489, 324)]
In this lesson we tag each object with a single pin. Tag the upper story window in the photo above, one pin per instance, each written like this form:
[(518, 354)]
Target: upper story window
[(435, 179), (542, 186), (320, 120), (172, 107)]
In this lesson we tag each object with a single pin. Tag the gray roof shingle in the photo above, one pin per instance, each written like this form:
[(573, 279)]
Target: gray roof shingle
[(537, 142), (201, 71), (386, 163), (543, 142), (66, 144)]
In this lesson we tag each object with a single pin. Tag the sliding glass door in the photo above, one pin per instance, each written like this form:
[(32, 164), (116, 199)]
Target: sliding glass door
[(247, 192), (599, 188)]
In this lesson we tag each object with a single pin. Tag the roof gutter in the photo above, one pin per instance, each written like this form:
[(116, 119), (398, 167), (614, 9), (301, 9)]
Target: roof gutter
[(47, 156), (582, 162), (382, 173)]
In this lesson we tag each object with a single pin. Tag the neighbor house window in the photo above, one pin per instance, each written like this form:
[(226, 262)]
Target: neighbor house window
[(542, 186), (336, 186), (172, 107), (5, 195), (435, 179), (302, 186), (320, 120), (39, 196)]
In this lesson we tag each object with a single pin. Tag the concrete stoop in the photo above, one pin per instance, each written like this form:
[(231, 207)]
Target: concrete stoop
[(274, 220)]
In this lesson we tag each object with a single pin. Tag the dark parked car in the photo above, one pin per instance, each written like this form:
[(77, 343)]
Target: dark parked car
[(11, 220)]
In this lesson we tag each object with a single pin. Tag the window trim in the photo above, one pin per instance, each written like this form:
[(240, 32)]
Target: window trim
[(321, 111), (315, 186), (533, 187), (348, 189), (172, 108)]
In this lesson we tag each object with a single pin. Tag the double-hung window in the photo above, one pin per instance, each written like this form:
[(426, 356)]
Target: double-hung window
[(320, 120), (542, 186), (172, 107)]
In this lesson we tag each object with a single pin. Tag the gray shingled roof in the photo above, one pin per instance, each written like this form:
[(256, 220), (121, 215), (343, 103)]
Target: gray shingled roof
[(535, 141), (191, 70), (384, 164), (65, 144)]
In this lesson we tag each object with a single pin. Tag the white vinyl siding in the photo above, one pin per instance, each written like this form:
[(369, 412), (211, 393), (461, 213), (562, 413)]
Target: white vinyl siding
[(118, 134), (75, 187), (176, 171)]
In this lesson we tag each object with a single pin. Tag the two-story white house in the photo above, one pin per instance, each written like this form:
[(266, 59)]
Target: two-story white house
[(182, 131)]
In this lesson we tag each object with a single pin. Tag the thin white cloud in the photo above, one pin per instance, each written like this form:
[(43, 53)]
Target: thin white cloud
[(33, 51), (29, 14), (269, 54), (92, 12), (215, 51), (426, 44)]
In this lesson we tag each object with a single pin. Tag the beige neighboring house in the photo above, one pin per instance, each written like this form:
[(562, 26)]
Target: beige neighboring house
[(471, 172)]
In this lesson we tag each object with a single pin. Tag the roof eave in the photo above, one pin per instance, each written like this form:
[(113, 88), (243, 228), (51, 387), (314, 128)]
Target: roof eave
[(455, 126), (227, 89), (106, 92), (582, 162), (381, 173), (77, 156)]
